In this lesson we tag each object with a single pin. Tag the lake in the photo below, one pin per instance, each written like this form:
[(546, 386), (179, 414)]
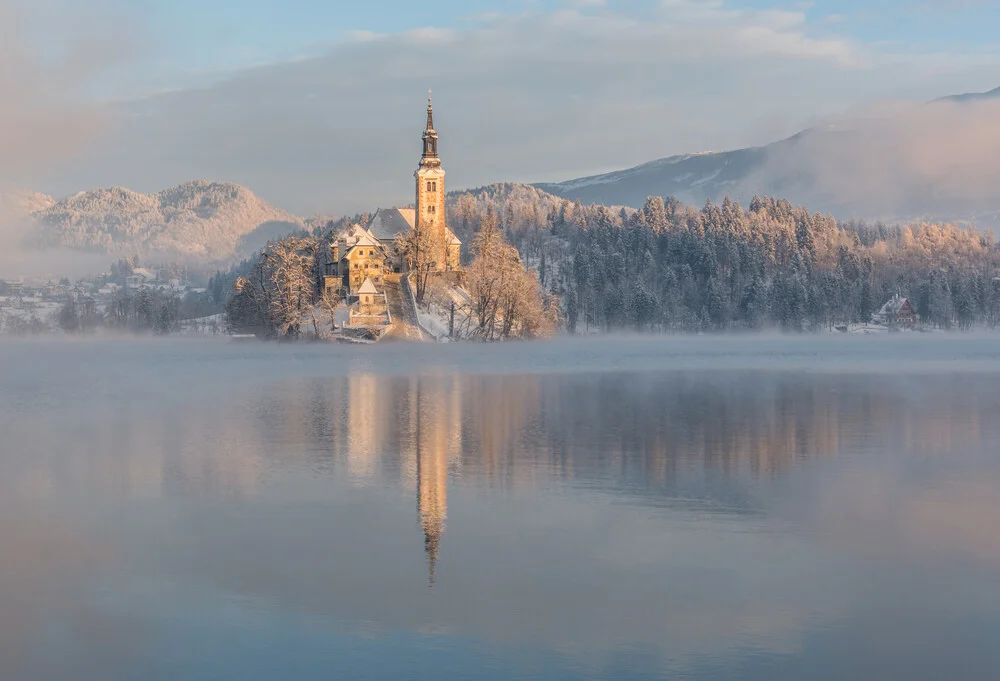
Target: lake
[(761, 508)]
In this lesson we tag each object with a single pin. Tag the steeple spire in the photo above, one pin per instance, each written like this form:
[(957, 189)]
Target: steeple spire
[(430, 157)]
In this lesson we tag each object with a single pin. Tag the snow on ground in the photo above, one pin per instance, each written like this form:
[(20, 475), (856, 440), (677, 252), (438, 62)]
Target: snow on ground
[(213, 325), (435, 314), (342, 316), (432, 322)]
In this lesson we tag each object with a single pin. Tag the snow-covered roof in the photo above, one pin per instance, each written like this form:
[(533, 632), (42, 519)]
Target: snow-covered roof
[(366, 239), (893, 306), (368, 286), (388, 223), (410, 215)]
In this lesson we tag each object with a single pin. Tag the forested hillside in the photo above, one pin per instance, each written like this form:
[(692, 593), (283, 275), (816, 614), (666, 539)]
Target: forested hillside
[(197, 222), (672, 267), (935, 161)]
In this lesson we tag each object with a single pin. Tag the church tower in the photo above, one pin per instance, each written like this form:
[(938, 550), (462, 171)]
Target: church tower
[(430, 215)]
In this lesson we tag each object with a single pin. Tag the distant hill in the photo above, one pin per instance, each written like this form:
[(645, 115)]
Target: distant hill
[(24, 203), (973, 96), (933, 163), (693, 178), (198, 221)]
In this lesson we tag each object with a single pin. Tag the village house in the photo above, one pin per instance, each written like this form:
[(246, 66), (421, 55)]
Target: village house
[(369, 253), (897, 312)]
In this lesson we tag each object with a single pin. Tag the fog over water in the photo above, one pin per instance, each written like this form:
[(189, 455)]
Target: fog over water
[(628, 508)]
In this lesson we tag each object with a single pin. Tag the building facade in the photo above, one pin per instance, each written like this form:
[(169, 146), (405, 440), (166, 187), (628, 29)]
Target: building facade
[(371, 252)]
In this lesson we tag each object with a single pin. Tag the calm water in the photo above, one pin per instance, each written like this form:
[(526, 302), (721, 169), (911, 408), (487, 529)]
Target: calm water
[(779, 509)]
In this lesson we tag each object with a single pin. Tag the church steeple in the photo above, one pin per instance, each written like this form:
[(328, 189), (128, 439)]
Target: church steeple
[(430, 157), (430, 214)]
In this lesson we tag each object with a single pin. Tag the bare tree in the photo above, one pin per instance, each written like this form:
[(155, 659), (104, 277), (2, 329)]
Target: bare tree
[(416, 249), (507, 300), (330, 302)]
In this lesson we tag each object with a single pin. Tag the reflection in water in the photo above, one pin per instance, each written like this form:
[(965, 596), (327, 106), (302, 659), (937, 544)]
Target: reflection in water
[(438, 417), (738, 524)]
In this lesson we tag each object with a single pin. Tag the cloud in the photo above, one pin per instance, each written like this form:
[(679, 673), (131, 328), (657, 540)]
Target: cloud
[(51, 52), (940, 159), (529, 97)]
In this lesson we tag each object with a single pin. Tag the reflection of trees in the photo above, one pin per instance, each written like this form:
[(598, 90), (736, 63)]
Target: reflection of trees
[(664, 434), (648, 430)]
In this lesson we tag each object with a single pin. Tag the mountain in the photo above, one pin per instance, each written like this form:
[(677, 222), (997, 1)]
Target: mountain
[(22, 203), (692, 178), (973, 96), (198, 221), (934, 161)]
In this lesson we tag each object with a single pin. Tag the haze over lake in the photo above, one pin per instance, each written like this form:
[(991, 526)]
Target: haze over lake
[(762, 508)]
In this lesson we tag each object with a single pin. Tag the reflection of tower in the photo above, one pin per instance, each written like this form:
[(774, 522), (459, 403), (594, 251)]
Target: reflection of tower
[(438, 429)]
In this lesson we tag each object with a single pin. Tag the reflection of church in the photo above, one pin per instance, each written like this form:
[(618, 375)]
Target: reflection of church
[(436, 432), (418, 420)]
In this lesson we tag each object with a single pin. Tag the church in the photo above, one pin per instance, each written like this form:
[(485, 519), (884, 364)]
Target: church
[(365, 256)]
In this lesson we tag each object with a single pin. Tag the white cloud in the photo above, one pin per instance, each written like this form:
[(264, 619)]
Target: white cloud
[(519, 97)]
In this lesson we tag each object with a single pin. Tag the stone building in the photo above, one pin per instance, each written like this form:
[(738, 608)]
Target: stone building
[(367, 252), (372, 308)]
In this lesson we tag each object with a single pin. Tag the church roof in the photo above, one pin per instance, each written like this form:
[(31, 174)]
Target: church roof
[(388, 223), (368, 286), (410, 215)]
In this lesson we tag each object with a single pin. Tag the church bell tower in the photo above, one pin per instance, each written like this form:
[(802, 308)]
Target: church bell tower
[(430, 216)]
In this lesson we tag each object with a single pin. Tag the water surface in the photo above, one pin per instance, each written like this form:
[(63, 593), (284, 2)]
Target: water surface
[(702, 508)]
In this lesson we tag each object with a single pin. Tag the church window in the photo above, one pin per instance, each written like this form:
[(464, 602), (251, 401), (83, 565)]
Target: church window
[(432, 186), (431, 209)]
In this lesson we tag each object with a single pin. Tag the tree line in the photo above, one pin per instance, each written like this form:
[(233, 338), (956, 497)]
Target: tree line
[(671, 267)]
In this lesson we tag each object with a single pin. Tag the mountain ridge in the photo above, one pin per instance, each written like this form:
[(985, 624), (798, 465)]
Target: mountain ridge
[(875, 167), (199, 221)]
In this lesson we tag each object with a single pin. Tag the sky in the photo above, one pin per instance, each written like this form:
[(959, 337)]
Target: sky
[(317, 105)]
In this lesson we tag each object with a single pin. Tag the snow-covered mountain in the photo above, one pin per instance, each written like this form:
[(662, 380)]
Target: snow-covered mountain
[(691, 178), (935, 161), (20, 203), (198, 221)]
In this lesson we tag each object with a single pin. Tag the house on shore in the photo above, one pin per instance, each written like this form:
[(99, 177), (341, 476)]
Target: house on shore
[(897, 313)]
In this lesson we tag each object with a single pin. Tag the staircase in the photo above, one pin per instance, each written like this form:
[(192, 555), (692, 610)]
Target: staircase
[(404, 317)]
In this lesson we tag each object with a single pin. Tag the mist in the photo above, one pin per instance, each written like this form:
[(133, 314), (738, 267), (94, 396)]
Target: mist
[(939, 160), (53, 54)]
